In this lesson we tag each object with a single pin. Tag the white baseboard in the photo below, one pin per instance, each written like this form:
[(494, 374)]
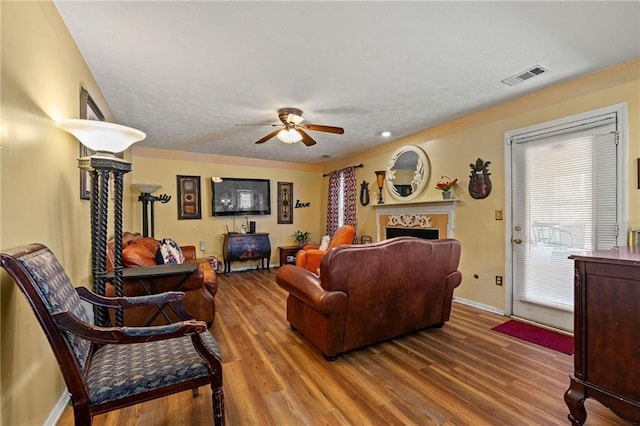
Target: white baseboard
[(478, 305), (251, 268), (58, 409)]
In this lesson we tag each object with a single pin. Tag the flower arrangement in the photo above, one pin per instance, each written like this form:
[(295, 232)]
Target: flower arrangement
[(445, 184), (301, 237)]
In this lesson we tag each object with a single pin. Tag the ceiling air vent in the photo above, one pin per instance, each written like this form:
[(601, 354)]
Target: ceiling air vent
[(525, 75)]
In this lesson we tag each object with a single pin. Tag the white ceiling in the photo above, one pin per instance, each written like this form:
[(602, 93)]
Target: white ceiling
[(185, 72)]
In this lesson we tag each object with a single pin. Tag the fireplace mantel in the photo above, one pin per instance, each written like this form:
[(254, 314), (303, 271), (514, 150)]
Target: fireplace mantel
[(447, 204), (435, 207)]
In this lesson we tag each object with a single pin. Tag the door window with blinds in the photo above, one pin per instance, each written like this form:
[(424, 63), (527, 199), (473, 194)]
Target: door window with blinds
[(565, 199)]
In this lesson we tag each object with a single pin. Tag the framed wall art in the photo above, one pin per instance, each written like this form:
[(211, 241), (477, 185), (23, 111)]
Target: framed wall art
[(89, 111), (189, 205), (285, 208)]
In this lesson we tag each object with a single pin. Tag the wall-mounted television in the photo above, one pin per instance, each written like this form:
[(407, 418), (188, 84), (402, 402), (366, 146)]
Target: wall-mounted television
[(240, 197)]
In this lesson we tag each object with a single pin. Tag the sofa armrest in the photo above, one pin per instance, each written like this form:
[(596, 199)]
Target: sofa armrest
[(310, 259), (453, 280), (305, 286), (208, 273), (189, 252)]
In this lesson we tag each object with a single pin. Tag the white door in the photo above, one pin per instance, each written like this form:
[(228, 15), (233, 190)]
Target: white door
[(565, 200)]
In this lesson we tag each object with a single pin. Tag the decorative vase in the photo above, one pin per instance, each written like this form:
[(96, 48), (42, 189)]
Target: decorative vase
[(446, 195)]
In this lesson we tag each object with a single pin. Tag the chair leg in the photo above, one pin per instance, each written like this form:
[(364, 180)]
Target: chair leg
[(82, 414), (217, 396), (196, 392)]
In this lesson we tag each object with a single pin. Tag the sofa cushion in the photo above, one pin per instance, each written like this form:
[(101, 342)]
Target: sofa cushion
[(169, 252), (324, 245), (140, 252)]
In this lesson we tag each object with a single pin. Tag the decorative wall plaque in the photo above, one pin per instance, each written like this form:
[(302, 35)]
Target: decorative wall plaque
[(479, 182), (364, 193), (285, 210), (189, 197)]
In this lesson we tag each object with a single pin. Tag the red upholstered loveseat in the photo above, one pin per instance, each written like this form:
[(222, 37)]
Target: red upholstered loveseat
[(370, 293), (200, 289)]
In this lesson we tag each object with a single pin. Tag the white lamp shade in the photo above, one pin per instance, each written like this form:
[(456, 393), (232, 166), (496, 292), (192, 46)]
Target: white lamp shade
[(102, 136), (146, 188), (289, 136)]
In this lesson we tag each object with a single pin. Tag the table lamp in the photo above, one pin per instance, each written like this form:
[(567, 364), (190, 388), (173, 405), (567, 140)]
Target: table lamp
[(380, 174)]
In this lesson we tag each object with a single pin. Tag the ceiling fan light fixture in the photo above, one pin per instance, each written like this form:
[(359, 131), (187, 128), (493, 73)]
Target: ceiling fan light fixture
[(289, 136), (294, 118)]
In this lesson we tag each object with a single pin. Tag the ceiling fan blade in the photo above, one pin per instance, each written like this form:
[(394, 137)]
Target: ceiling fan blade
[(269, 136), (321, 128), (257, 124), (306, 139)]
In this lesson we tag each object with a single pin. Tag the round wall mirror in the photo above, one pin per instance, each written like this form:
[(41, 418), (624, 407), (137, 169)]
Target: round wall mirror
[(408, 173)]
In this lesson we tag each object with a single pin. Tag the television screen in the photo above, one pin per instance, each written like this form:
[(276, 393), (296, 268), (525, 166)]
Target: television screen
[(237, 196)]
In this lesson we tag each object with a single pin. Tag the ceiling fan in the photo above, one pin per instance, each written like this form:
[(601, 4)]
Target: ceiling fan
[(293, 129)]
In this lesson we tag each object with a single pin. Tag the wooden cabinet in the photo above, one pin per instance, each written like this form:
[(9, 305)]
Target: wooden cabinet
[(607, 333), (246, 247)]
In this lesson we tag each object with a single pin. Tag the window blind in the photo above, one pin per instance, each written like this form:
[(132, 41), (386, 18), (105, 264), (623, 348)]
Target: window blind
[(565, 186)]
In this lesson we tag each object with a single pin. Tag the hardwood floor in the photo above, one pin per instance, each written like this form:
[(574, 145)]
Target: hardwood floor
[(462, 374)]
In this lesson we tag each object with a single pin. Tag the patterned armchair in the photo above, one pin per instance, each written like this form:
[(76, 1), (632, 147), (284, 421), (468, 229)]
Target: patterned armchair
[(107, 369)]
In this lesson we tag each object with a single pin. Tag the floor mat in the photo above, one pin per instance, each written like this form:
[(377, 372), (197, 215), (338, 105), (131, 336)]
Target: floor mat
[(538, 335)]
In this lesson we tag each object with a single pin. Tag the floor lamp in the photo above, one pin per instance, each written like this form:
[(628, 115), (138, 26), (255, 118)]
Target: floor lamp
[(105, 139), (147, 200)]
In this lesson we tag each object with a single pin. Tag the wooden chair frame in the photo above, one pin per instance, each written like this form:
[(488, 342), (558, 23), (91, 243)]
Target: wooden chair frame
[(55, 323)]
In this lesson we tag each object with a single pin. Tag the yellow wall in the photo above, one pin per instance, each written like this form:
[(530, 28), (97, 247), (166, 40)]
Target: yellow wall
[(452, 146), (42, 72), (162, 166)]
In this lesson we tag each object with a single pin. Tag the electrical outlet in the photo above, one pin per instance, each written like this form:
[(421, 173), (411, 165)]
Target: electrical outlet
[(498, 214), (499, 280), (203, 245)]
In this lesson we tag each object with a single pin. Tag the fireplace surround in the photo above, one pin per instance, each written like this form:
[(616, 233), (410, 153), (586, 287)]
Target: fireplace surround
[(426, 219)]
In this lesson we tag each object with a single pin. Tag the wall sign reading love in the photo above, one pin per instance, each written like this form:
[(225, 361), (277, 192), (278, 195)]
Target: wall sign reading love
[(300, 205)]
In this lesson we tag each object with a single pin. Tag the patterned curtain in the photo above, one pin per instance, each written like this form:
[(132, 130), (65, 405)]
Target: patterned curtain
[(349, 199), (333, 202)]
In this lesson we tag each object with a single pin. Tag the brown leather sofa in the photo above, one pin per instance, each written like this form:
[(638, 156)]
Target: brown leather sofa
[(371, 293), (310, 256), (200, 289)]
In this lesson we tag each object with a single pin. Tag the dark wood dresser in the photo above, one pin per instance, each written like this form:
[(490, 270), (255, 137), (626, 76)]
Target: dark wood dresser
[(246, 247), (607, 333)]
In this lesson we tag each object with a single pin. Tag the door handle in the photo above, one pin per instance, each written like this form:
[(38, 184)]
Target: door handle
[(517, 240)]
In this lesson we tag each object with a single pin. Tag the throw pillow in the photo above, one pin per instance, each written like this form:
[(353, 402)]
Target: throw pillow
[(169, 252), (324, 245)]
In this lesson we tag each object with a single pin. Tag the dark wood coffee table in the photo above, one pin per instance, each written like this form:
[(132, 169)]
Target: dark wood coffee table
[(145, 275)]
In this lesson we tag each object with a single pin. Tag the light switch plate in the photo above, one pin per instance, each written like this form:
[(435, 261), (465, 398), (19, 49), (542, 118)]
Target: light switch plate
[(203, 245)]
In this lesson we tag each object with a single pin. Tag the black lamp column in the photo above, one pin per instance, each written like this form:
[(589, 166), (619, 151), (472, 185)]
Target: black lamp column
[(147, 201), (101, 169)]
